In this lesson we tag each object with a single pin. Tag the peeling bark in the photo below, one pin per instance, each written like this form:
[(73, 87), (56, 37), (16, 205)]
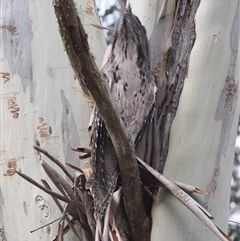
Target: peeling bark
[(182, 41)]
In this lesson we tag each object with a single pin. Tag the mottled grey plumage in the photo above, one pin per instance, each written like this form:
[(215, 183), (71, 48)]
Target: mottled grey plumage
[(132, 86)]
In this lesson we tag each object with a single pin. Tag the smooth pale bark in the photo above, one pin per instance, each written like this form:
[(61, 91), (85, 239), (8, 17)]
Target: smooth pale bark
[(40, 100), (203, 133)]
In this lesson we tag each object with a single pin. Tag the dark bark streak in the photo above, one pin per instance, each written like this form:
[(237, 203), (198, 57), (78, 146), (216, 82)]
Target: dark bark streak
[(77, 48), (183, 38)]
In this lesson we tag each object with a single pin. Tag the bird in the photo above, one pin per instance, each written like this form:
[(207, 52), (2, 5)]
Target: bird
[(132, 86)]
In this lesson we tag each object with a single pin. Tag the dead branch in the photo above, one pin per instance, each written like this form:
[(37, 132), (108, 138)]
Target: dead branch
[(55, 160), (188, 201), (54, 194)]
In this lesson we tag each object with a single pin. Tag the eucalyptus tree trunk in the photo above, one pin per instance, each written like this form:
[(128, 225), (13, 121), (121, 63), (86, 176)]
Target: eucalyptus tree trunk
[(193, 46), (41, 103), (202, 136)]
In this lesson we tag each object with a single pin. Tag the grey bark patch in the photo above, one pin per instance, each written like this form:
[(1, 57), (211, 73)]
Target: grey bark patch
[(25, 208), (225, 104), (69, 133), (225, 113), (226, 107), (183, 39), (17, 34)]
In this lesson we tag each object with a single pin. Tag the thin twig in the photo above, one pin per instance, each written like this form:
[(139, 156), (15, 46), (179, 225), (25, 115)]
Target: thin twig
[(32, 231), (60, 197), (101, 27), (61, 209), (55, 160), (62, 185)]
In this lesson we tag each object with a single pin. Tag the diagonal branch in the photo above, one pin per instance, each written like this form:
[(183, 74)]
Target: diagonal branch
[(77, 48), (188, 201)]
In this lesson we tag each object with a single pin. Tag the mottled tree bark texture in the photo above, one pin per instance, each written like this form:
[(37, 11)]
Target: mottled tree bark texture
[(182, 39)]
